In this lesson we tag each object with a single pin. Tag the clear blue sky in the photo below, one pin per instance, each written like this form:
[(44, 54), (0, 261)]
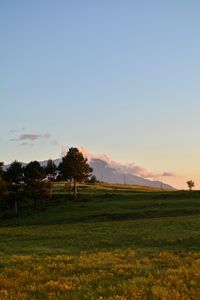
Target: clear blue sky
[(118, 77)]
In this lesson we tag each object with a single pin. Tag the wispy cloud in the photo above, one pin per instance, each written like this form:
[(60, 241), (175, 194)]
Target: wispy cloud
[(168, 174), (54, 142), (26, 144), (23, 144), (24, 138), (31, 137), (17, 130)]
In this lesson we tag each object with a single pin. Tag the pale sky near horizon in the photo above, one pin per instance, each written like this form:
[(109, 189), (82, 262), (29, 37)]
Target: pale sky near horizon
[(117, 77)]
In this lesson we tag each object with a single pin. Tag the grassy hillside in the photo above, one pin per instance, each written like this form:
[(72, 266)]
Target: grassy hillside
[(115, 242)]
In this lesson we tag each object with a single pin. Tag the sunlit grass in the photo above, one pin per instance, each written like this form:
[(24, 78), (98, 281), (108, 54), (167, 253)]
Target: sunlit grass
[(63, 186), (118, 274), (110, 244)]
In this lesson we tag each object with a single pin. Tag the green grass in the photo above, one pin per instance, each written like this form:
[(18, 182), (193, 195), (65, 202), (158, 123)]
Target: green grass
[(102, 228)]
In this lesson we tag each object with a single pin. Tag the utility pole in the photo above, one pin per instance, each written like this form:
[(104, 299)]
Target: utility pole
[(161, 184), (124, 179)]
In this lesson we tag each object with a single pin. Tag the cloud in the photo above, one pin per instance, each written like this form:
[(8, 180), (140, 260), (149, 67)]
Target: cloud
[(29, 137), (90, 156), (168, 174), (17, 130), (54, 142), (125, 168), (26, 144), (23, 144), (33, 137), (106, 161), (64, 150)]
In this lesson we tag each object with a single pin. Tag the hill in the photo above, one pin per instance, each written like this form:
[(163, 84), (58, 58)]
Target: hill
[(107, 173), (104, 172), (112, 243)]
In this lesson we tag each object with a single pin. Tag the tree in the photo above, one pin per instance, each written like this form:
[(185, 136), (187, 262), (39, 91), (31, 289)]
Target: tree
[(3, 184), (38, 190), (50, 169), (1, 168), (92, 179), (190, 184), (14, 173), (74, 166), (3, 188), (34, 173)]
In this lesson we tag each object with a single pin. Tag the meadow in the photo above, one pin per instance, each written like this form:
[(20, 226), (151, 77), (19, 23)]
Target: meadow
[(114, 242)]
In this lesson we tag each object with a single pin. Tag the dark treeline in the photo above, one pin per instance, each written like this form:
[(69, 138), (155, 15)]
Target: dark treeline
[(32, 184)]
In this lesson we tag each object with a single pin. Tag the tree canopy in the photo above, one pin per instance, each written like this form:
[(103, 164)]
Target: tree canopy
[(14, 173), (50, 168), (1, 168), (190, 184), (75, 167), (33, 171)]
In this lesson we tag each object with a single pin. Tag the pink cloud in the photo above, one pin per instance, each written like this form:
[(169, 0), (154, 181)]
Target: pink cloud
[(127, 168), (168, 174)]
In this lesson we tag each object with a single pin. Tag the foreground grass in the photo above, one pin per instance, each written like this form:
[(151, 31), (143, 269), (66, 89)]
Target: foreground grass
[(111, 244), (118, 274)]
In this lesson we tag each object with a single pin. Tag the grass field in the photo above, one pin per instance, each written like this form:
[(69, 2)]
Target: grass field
[(115, 242)]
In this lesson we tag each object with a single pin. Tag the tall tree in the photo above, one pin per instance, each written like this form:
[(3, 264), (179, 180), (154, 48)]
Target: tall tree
[(74, 166), (34, 173), (14, 173), (3, 185), (1, 168), (50, 171), (3, 188), (50, 168)]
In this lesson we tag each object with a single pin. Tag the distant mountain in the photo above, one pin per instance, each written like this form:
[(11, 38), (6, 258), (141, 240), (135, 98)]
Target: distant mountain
[(56, 162), (42, 163), (106, 173)]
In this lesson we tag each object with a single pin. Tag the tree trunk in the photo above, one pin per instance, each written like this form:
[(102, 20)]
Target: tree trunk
[(43, 203), (70, 184), (15, 207), (75, 189), (50, 193), (35, 204)]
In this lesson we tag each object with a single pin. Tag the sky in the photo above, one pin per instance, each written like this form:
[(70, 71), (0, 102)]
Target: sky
[(120, 78)]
